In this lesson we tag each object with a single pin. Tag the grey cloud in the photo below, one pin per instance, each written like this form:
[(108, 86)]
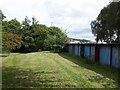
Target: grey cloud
[(73, 15)]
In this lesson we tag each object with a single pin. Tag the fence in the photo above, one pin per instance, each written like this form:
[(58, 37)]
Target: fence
[(108, 54)]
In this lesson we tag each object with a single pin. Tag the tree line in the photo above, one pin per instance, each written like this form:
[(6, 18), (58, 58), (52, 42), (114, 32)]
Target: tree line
[(30, 36), (106, 27)]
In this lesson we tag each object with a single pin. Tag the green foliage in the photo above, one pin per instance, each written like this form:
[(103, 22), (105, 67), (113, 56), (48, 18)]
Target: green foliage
[(106, 27), (35, 36), (56, 39), (38, 36), (32, 35), (11, 41), (2, 16), (12, 26)]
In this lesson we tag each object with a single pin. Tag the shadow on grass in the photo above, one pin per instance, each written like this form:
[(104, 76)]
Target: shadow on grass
[(104, 70), (13, 77)]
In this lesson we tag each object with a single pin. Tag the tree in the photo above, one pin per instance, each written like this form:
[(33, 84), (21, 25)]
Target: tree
[(118, 23), (56, 39), (33, 36), (2, 16), (11, 41), (25, 33), (105, 27), (12, 26), (37, 36)]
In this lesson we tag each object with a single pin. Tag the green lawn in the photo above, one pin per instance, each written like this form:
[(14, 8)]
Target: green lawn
[(45, 69)]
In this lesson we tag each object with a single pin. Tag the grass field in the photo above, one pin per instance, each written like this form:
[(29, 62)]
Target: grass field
[(46, 69)]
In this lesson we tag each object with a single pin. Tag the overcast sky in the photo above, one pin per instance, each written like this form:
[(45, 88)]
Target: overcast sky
[(71, 15)]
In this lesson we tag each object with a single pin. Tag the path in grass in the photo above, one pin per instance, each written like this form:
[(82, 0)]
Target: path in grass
[(45, 69)]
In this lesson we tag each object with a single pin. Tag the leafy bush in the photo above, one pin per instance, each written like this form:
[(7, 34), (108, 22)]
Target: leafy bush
[(56, 39), (10, 41)]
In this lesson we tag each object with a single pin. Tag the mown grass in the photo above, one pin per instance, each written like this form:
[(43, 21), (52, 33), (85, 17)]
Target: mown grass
[(61, 70)]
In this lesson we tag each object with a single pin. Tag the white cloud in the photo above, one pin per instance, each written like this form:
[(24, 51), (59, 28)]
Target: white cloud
[(73, 15)]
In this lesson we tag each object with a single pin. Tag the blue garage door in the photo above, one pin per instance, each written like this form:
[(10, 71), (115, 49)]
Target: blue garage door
[(79, 50), (92, 52), (76, 50), (105, 55), (116, 57), (87, 51)]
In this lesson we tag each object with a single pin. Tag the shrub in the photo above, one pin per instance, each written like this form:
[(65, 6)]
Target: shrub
[(11, 41)]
